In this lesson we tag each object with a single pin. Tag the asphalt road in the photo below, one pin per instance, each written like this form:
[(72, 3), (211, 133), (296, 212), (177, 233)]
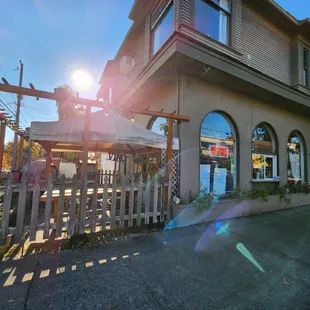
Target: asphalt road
[(259, 262)]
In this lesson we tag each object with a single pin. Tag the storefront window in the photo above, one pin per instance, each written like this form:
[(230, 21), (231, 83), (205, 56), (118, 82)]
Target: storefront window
[(217, 154), (295, 158), (264, 150)]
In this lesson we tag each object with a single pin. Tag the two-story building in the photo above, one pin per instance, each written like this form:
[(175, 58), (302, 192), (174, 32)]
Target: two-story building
[(239, 68)]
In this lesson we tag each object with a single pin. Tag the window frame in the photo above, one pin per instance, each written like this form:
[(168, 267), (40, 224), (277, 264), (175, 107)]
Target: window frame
[(274, 167), (229, 15), (156, 23), (305, 67)]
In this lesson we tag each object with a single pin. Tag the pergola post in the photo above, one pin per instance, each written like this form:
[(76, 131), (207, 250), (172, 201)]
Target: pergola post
[(169, 148), (48, 164), (2, 136), (86, 142), (168, 160), (20, 153)]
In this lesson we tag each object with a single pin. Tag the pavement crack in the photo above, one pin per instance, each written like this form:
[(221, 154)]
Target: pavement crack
[(31, 283), (151, 298)]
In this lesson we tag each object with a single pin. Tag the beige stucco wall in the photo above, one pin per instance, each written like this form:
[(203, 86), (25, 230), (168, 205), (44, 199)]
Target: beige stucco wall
[(200, 98)]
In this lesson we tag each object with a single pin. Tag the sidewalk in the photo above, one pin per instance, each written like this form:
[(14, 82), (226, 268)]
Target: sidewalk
[(196, 267)]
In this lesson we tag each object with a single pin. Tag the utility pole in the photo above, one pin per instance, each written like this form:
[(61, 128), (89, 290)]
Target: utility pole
[(19, 98)]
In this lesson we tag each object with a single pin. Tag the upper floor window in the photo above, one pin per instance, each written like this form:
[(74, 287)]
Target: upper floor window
[(162, 21), (212, 17), (305, 72)]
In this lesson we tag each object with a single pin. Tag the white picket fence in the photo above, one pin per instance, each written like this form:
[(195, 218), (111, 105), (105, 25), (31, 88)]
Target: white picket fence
[(78, 207)]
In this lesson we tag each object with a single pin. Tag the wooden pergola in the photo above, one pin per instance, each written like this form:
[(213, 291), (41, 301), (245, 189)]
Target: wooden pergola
[(89, 103)]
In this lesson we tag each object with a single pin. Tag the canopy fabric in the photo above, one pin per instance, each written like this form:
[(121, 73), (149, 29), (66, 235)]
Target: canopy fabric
[(107, 133)]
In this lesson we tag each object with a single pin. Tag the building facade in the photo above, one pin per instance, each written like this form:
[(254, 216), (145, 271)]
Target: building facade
[(240, 69)]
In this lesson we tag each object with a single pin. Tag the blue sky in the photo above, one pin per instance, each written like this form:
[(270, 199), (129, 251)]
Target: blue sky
[(55, 37)]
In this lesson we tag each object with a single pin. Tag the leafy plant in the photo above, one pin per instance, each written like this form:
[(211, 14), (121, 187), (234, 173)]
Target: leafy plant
[(204, 201)]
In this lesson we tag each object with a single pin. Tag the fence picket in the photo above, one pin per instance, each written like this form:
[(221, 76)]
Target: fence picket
[(61, 205), (169, 210), (131, 202), (72, 214), (140, 193), (113, 209), (48, 207), (123, 200), (6, 208), (155, 204), (35, 210), (83, 205), (104, 203), (21, 209), (94, 204), (147, 200), (161, 203)]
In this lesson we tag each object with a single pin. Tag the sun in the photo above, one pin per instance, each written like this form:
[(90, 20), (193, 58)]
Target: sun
[(82, 80)]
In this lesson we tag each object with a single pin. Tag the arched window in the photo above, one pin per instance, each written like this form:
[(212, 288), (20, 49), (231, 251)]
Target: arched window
[(295, 157), (264, 153), (217, 154), (159, 125)]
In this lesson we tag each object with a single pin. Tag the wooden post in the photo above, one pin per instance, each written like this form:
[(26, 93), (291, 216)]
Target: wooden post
[(20, 153), (168, 159), (48, 165), (2, 137), (169, 147), (86, 142)]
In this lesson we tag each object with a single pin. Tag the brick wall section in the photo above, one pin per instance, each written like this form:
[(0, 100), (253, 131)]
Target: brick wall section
[(265, 47)]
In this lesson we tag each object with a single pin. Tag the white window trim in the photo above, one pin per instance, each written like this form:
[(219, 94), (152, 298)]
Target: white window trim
[(274, 170)]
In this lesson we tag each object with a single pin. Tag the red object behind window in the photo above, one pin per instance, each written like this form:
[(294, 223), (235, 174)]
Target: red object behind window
[(219, 151)]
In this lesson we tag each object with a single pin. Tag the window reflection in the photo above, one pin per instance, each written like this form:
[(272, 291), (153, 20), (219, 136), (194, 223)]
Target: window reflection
[(294, 158), (264, 159), (217, 154), (212, 18), (162, 27)]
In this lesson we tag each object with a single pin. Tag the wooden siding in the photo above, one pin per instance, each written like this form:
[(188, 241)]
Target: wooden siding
[(265, 48), (183, 9), (237, 25)]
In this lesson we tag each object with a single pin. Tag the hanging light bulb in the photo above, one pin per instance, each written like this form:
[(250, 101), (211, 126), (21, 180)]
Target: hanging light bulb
[(106, 114), (132, 119)]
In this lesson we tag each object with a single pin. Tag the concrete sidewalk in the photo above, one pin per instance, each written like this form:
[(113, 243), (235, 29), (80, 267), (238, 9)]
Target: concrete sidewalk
[(188, 268)]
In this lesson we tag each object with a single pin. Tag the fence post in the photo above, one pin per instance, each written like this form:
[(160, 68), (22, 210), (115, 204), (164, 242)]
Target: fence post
[(61, 205), (155, 203), (123, 199), (140, 193), (147, 200), (131, 202), (48, 207), (104, 203), (21, 209), (113, 209), (83, 205), (72, 215), (6, 208), (35, 209), (94, 204), (169, 208)]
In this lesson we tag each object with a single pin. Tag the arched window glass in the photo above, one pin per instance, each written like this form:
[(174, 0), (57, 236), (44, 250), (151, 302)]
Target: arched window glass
[(217, 154), (159, 125), (264, 153), (295, 158)]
